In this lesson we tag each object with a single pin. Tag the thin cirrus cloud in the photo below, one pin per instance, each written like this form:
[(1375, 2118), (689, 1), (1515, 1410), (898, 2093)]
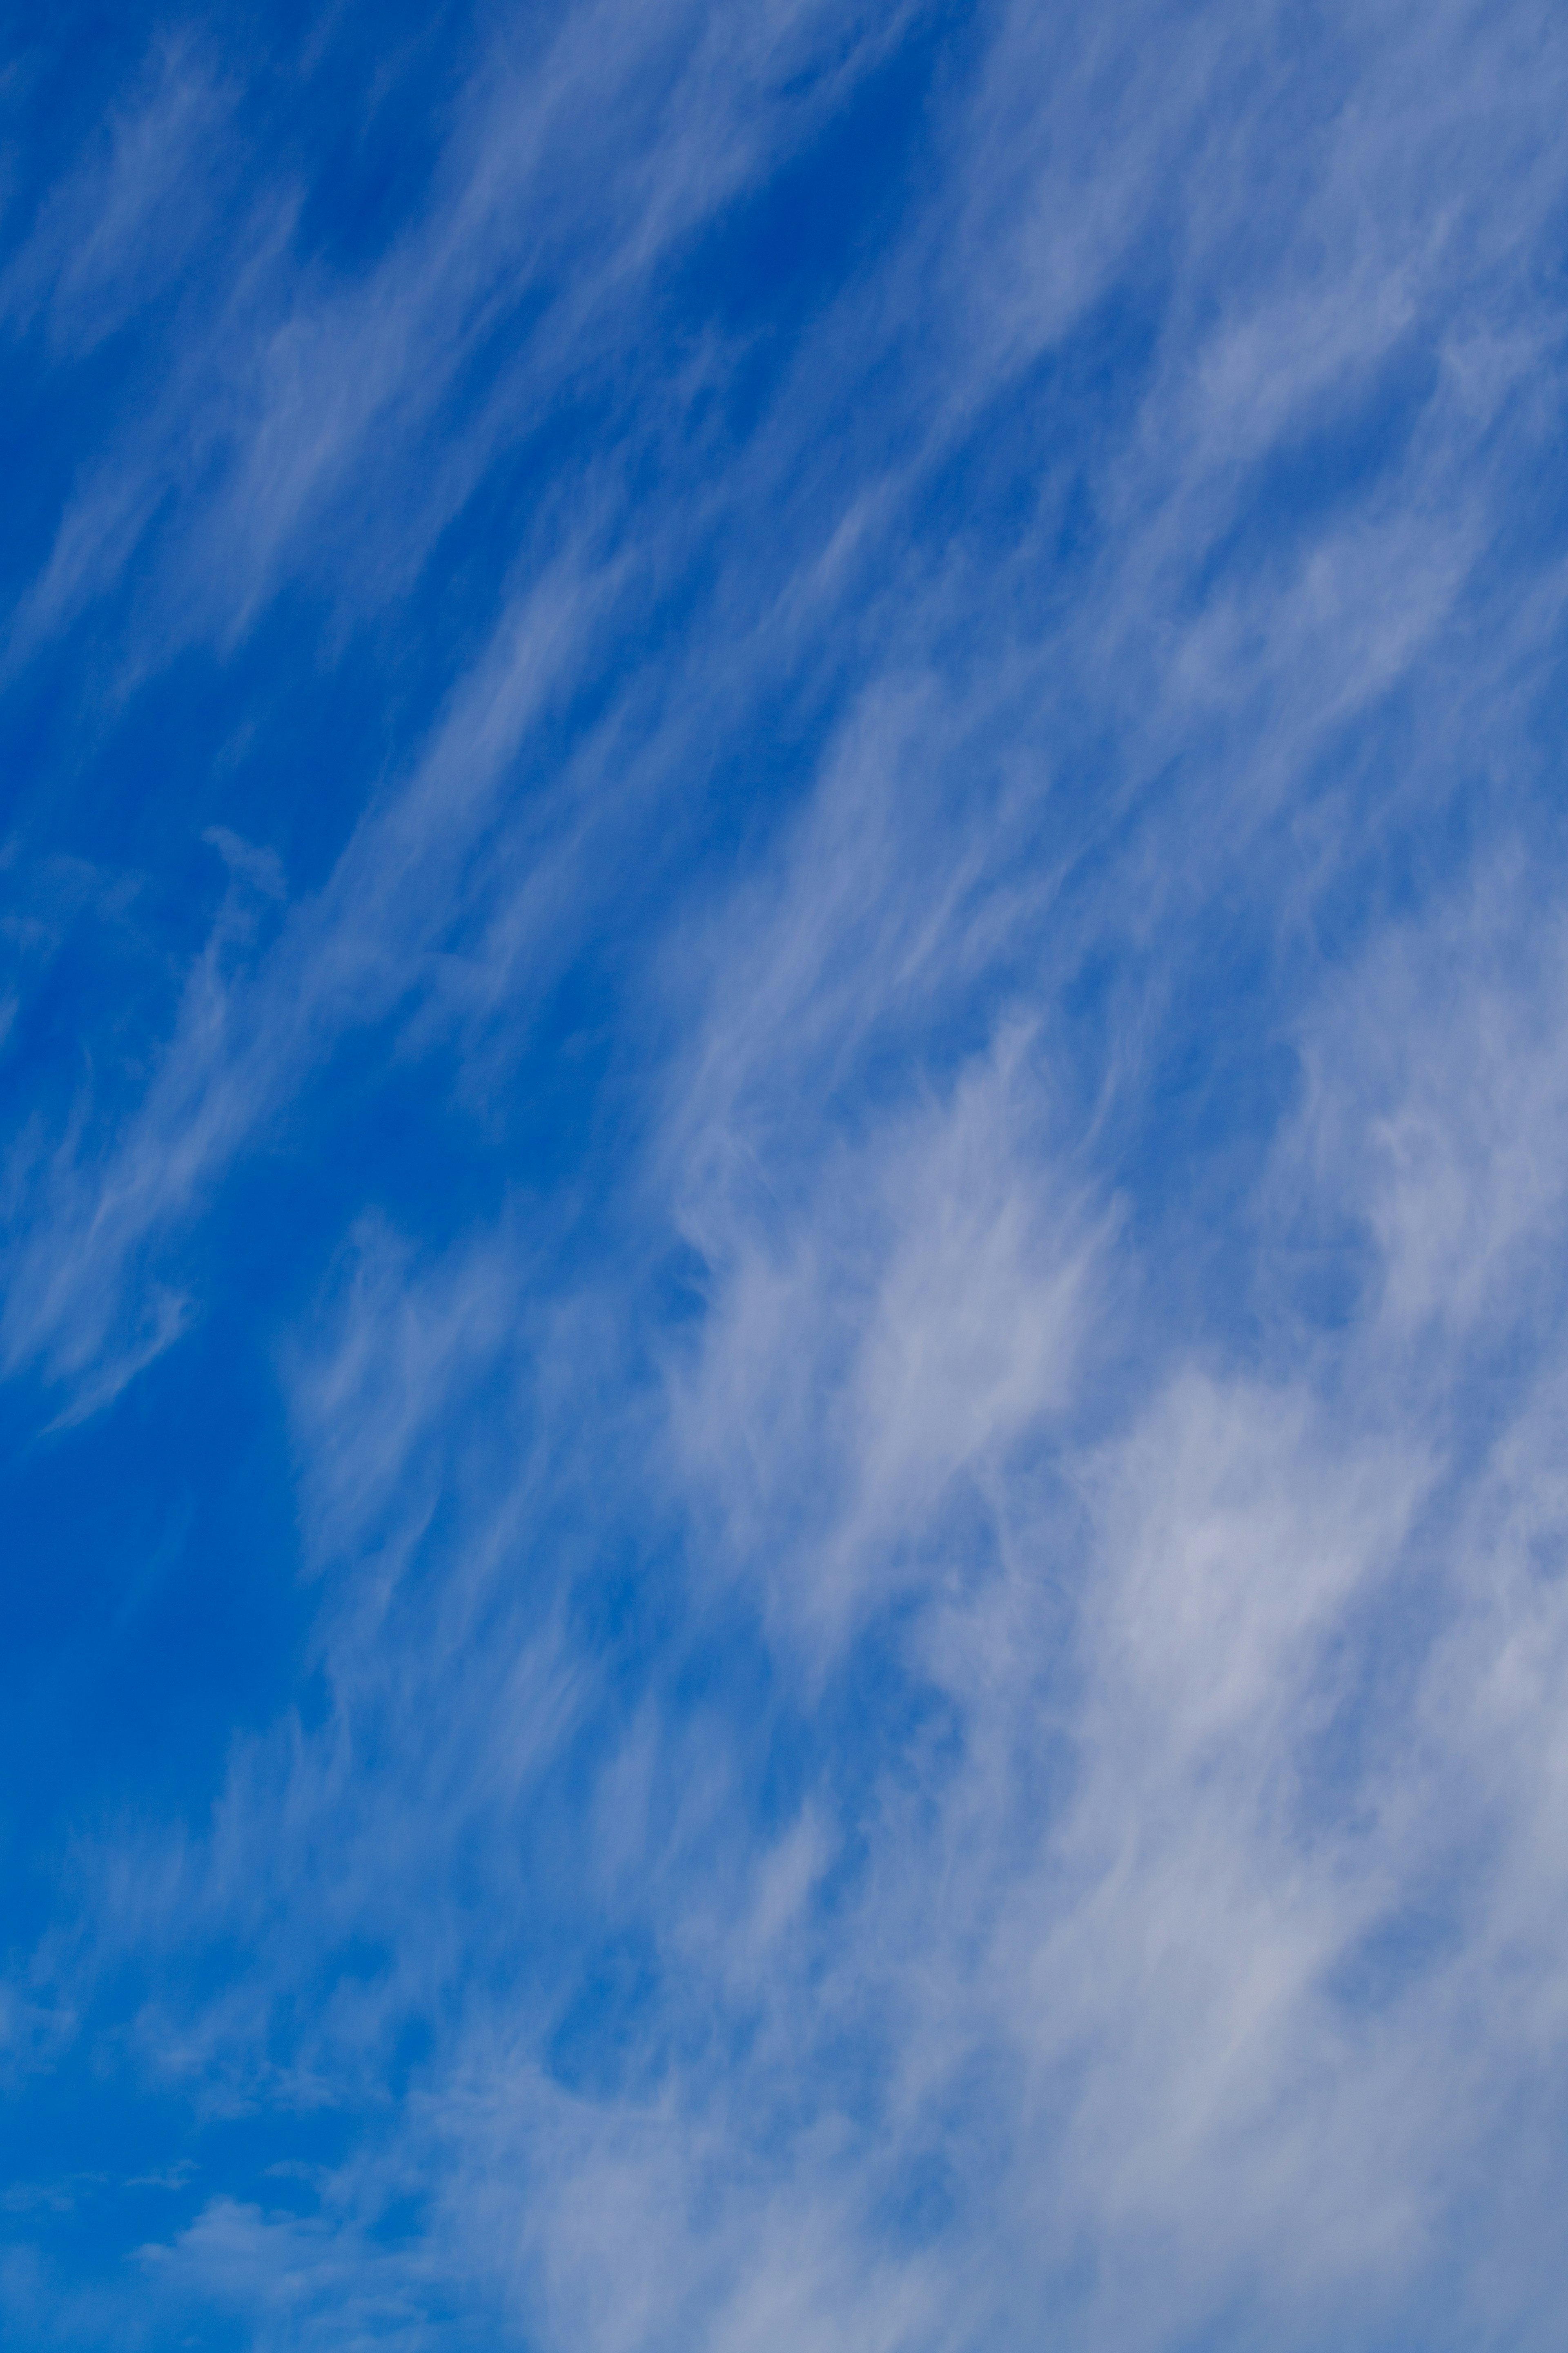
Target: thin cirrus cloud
[(783, 1269)]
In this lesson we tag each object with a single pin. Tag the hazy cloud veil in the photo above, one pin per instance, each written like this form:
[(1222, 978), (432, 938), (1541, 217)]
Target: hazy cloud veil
[(786, 1177)]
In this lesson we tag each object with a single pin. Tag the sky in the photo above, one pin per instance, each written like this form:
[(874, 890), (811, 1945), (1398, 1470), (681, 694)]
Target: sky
[(784, 1179)]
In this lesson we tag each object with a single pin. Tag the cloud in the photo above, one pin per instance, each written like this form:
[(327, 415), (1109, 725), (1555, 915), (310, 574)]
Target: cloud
[(124, 222)]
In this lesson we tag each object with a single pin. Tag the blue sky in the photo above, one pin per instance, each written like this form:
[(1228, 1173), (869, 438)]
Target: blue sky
[(783, 1177)]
